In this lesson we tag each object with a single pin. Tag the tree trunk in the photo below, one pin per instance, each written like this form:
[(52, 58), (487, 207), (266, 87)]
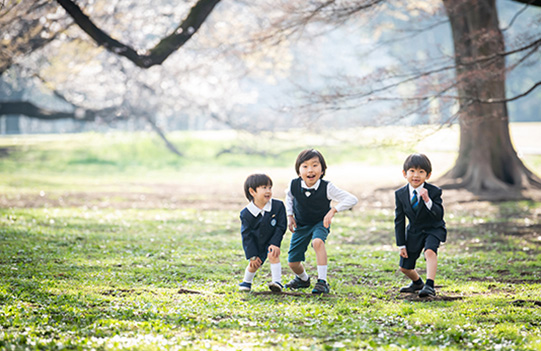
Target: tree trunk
[(12, 125), (487, 161)]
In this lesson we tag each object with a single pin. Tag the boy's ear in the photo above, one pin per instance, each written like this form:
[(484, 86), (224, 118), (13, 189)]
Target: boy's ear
[(428, 176), (252, 191), (404, 174)]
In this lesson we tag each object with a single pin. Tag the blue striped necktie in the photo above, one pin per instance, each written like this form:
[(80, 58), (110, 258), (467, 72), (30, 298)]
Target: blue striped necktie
[(415, 201)]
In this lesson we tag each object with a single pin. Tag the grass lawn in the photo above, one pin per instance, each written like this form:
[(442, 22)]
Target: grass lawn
[(108, 242)]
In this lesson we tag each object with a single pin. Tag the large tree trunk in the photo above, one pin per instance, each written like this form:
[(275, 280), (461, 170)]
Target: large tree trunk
[(487, 161)]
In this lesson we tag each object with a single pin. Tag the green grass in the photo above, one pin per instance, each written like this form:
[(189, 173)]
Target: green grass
[(105, 269)]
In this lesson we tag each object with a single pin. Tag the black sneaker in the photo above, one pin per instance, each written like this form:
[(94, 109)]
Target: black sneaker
[(298, 283), (321, 287), (412, 288), (427, 291), (275, 287)]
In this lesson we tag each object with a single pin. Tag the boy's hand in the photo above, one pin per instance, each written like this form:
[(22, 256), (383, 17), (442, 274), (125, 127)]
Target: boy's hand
[(328, 217), (255, 264), (274, 251), (291, 223), (403, 252), (423, 193)]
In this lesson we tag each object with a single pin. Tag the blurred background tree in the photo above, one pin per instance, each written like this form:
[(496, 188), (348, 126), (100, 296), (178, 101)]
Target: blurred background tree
[(467, 84), (271, 65)]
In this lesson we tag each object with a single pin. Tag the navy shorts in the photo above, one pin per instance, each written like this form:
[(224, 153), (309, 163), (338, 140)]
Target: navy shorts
[(302, 237), (417, 245), (262, 253)]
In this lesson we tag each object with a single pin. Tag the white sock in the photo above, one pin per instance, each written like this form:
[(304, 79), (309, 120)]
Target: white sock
[(303, 276), (276, 272), (322, 272), (248, 276)]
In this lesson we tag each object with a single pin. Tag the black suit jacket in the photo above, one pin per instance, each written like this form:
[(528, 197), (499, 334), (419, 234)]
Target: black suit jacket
[(423, 221), (261, 231)]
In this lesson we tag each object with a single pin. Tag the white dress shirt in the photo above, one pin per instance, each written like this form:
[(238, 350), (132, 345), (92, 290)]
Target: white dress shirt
[(427, 203), (255, 211)]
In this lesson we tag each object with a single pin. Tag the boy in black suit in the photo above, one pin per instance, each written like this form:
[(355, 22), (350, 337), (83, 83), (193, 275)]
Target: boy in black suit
[(263, 224), (421, 203)]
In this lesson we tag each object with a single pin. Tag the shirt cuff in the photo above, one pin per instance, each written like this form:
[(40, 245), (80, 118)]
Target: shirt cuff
[(402, 247)]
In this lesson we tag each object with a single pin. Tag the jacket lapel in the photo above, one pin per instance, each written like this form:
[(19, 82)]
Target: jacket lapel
[(405, 196)]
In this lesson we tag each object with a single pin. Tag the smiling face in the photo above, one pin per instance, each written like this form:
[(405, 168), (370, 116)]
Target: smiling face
[(416, 176), (261, 195), (310, 171)]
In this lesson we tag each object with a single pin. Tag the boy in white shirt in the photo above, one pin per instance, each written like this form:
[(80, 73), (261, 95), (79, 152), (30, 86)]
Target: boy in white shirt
[(309, 212)]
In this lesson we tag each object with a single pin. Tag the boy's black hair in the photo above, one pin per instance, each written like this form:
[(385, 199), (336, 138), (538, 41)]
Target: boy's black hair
[(418, 161), (309, 154), (253, 181)]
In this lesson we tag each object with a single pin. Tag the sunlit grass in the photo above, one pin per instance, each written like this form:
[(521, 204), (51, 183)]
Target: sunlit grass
[(110, 279), (92, 259)]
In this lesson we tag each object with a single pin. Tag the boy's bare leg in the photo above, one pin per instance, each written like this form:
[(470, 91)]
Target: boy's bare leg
[(296, 267), (431, 264), (321, 252), (410, 273), (251, 269), (274, 259)]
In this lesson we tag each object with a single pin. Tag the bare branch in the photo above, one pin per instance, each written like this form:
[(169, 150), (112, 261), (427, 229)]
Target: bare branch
[(30, 110), (157, 55), (161, 134), (494, 101), (530, 2), (533, 46)]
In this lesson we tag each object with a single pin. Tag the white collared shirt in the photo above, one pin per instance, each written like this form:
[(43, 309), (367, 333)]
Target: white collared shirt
[(427, 203), (344, 200), (255, 211)]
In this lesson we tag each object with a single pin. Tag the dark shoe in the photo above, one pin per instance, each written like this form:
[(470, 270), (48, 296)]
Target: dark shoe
[(245, 286), (298, 283), (427, 291), (412, 288), (321, 287), (275, 287)]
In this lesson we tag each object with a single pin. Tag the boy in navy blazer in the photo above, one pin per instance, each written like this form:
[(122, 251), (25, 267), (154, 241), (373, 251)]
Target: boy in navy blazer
[(421, 203), (263, 224)]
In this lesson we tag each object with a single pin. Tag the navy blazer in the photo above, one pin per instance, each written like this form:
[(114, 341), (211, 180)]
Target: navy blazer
[(261, 231), (424, 220)]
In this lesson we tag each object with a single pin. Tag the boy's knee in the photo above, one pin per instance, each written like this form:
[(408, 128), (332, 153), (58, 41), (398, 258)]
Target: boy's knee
[(429, 253), (318, 243)]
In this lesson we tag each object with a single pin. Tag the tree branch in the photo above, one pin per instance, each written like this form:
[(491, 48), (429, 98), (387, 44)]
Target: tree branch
[(157, 55), (493, 101), (30, 110), (161, 134), (530, 2)]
